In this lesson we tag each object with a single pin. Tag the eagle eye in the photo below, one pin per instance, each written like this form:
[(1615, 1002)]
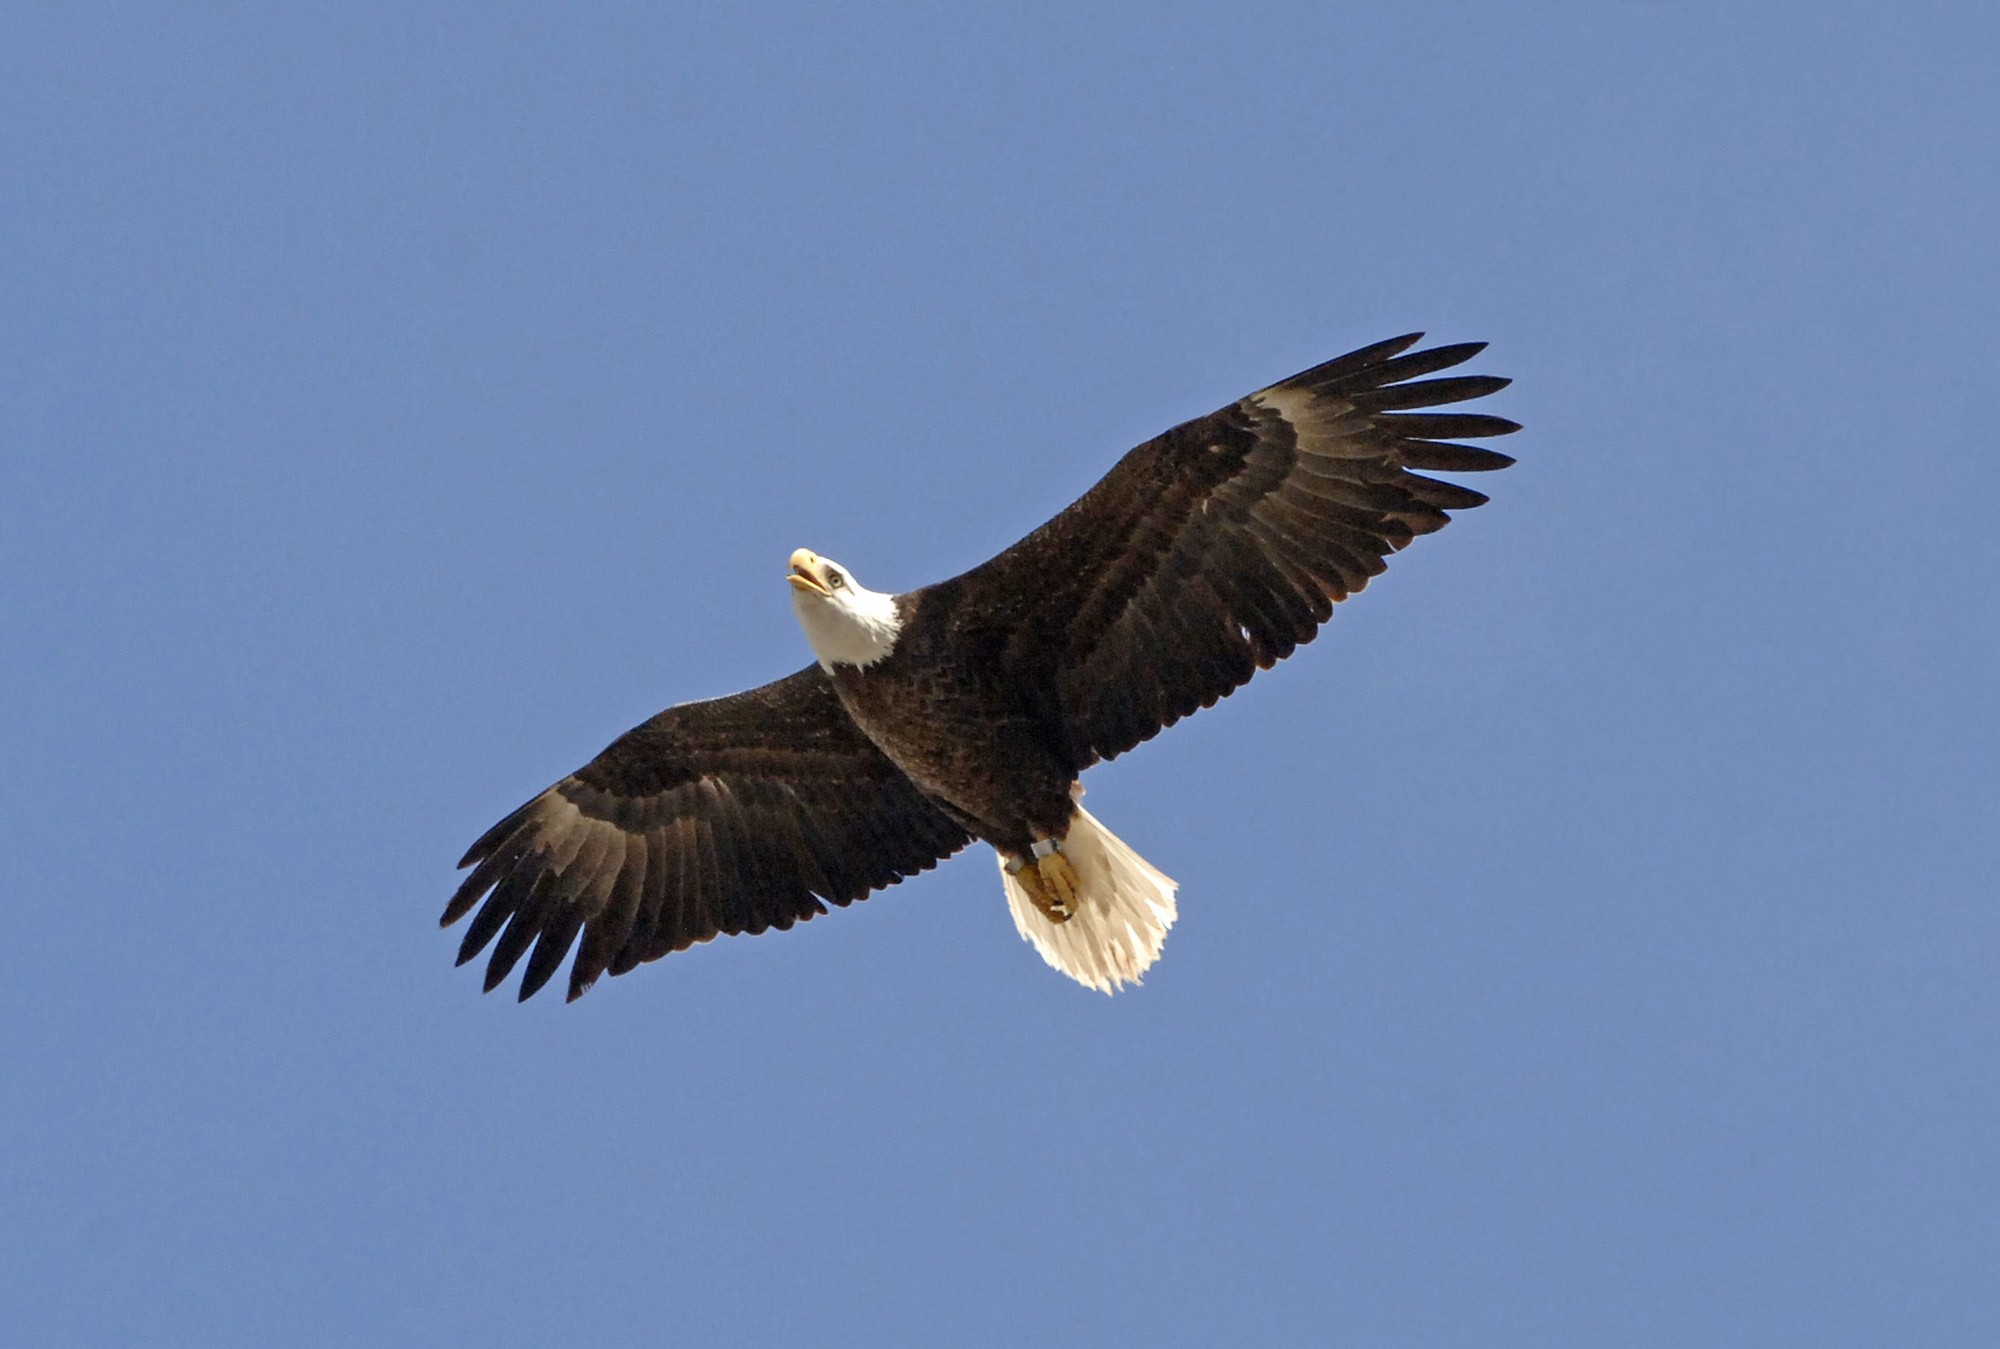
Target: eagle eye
[(834, 580)]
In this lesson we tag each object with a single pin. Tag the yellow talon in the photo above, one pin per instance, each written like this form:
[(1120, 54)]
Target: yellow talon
[(1059, 877), (1038, 893), (1050, 883)]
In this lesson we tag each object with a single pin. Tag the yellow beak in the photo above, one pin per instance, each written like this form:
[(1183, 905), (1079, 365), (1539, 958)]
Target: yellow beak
[(805, 573)]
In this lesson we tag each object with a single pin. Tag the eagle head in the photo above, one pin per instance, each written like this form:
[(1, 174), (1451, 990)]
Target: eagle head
[(845, 622)]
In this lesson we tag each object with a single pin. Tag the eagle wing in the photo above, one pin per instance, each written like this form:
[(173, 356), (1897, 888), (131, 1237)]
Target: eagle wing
[(1214, 550), (733, 815)]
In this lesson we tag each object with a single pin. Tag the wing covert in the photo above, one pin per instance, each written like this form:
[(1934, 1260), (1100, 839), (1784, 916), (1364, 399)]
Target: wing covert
[(734, 815)]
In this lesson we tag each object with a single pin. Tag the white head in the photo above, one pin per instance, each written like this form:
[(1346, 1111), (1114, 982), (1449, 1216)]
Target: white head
[(846, 623)]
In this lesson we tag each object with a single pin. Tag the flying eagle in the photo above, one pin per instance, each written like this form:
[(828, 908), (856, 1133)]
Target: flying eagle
[(967, 709)]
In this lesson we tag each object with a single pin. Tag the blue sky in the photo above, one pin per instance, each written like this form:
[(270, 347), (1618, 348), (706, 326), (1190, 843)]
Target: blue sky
[(1590, 940)]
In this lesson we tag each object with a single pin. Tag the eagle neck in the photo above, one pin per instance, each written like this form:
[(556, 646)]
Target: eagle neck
[(858, 628)]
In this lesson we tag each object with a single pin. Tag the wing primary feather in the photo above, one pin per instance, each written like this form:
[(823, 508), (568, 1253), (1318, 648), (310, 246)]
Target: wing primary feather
[(1447, 496), (521, 929), (1445, 425), (550, 948), (499, 907), (1373, 499), (1425, 393), (483, 878), (1342, 366), (1443, 457), (499, 833), (1411, 366)]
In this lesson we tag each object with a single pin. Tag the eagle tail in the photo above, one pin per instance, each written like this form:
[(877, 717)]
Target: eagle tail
[(1124, 908)]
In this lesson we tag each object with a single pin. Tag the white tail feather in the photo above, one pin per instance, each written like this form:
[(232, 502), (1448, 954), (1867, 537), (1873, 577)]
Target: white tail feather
[(1124, 908)]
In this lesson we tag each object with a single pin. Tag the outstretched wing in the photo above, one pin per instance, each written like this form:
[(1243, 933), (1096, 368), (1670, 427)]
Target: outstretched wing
[(1214, 550), (733, 815)]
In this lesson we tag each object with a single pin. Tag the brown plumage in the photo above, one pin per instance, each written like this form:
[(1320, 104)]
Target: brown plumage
[(1205, 554), (733, 815)]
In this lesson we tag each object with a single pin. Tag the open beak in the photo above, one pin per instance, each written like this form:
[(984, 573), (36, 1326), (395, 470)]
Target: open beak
[(805, 573)]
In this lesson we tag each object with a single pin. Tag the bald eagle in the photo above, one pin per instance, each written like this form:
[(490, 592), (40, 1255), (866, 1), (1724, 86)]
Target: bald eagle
[(967, 709)]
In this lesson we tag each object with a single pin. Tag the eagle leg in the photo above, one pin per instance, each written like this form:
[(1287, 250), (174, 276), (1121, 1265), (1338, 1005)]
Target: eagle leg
[(1060, 877), (1050, 881)]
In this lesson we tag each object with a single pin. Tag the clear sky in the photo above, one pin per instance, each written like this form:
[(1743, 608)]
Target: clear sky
[(1591, 940)]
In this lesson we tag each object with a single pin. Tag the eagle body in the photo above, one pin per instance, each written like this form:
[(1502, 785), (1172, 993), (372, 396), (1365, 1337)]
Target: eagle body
[(970, 708), (939, 706)]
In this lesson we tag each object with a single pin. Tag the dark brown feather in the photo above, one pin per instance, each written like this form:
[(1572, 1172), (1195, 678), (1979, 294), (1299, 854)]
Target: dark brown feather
[(1220, 546), (1427, 393), (1397, 368), (734, 815), (1444, 457)]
